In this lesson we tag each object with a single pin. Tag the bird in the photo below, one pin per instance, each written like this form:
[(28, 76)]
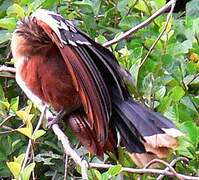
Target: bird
[(61, 67)]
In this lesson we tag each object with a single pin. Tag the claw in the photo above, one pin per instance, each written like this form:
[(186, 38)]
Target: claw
[(52, 121), (55, 119)]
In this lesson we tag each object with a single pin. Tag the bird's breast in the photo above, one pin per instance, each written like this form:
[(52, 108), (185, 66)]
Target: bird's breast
[(48, 79)]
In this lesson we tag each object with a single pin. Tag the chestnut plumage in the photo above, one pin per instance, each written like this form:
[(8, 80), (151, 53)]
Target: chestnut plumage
[(60, 66)]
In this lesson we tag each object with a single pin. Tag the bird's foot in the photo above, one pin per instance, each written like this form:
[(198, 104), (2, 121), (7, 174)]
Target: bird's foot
[(55, 119), (52, 121)]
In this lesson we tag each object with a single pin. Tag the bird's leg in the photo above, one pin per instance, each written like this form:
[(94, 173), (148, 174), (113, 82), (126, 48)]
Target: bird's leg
[(55, 119)]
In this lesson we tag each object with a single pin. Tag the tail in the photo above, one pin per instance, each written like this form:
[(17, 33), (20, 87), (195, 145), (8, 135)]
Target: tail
[(145, 134)]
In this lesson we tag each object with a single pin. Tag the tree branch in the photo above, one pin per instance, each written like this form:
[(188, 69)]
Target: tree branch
[(69, 151), (173, 2), (84, 165), (166, 164), (139, 26), (172, 164), (7, 69), (143, 171)]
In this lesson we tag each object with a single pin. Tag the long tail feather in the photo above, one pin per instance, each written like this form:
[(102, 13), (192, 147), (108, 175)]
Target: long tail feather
[(155, 132)]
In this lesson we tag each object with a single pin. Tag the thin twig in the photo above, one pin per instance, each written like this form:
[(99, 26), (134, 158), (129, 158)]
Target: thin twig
[(189, 82), (160, 35), (171, 165), (10, 130), (139, 26), (33, 160), (7, 76), (66, 167), (166, 164), (30, 140), (5, 120), (143, 171)]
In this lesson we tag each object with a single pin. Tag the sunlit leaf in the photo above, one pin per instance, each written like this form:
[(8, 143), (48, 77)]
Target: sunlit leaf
[(14, 168), (27, 131), (16, 11), (25, 175), (8, 23), (19, 159), (177, 93), (38, 134)]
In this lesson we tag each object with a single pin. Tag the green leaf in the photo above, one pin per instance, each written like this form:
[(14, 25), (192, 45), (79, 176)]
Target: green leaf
[(2, 95), (96, 6), (141, 5), (14, 143), (94, 174), (191, 129), (192, 9), (25, 175), (85, 5), (4, 37), (113, 171), (90, 24), (164, 104), (16, 11), (196, 26), (129, 21), (122, 4), (159, 3), (35, 5), (166, 59), (38, 134), (14, 104), (160, 93), (184, 148), (8, 23), (101, 39), (191, 68), (177, 93)]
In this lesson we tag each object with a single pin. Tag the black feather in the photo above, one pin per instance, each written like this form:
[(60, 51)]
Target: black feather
[(132, 120)]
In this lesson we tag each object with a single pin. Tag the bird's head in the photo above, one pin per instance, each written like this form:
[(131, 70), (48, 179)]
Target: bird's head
[(28, 38)]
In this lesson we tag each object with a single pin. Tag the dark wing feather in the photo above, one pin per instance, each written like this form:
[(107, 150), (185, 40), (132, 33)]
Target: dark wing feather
[(90, 91), (87, 80)]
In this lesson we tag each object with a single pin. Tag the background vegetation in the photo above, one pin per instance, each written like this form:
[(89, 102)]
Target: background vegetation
[(167, 82)]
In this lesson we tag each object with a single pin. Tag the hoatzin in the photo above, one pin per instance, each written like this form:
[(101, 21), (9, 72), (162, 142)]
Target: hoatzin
[(59, 66)]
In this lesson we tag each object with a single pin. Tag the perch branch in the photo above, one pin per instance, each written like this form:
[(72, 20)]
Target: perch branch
[(7, 69), (7, 76), (69, 151), (143, 171), (139, 26), (84, 165)]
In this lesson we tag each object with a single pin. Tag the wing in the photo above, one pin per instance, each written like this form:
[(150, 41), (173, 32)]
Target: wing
[(87, 78)]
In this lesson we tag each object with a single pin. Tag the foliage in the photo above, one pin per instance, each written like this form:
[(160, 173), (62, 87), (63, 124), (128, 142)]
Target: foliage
[(167, 82)]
